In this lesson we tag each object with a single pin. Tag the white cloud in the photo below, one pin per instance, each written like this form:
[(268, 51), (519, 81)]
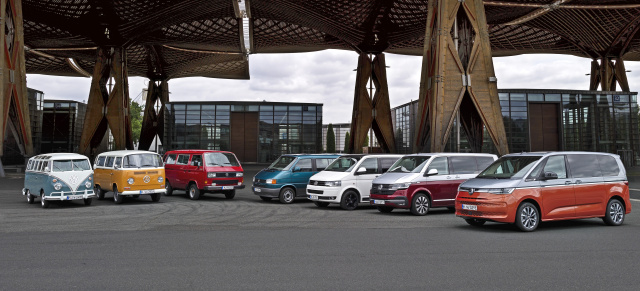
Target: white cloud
[(328, 77)]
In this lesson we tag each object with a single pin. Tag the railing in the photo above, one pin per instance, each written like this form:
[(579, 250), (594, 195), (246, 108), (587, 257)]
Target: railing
[(627, 157)]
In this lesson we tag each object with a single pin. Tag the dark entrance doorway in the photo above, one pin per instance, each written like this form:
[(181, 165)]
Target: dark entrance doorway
[(244, 135), (543, 127)]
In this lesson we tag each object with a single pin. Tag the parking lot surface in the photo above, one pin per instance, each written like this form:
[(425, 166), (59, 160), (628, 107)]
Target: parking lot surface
[(248, 244)]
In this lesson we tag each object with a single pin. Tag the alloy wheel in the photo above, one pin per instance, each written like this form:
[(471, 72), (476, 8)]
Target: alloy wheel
[(529, 217), (616, 212)]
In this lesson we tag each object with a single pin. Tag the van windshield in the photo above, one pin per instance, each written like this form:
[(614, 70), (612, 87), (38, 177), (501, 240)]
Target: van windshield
[(409, 164), (71, 165), (220, 160), (283, 163), (142, 161), (514, 167), (343, 164)]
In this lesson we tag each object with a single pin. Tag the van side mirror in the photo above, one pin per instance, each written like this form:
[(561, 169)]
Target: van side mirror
[(361, 170), (296, 169), (549, 176), (431, 172), (198, 163)]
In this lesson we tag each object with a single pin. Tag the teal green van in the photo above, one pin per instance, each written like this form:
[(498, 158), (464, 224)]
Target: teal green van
[(287, 178)]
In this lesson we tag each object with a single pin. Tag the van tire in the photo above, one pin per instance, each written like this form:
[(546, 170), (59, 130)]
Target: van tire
[(117, 197), (384, 209), (475, 221), (43, 202), (87, 201), (230, 194), (287, 195), (193, 191), (264, 198), (614, 214), (30, 198), (420, 204), (155, 197), (321, 204), (350, 200), (99, 192), (168, 187), (527, 217)]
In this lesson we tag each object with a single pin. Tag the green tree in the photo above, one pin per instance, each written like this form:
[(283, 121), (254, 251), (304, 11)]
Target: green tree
[(366, 142), (331, 139), (347, 138), (136, 120)]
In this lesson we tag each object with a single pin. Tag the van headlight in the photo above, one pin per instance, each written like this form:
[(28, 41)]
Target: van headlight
[(239, 174), (400, 186), (87, 184), (333, 183), (211, 174), (497, 190), (130, 181), (57, 186), (270, 181), (160, 179)]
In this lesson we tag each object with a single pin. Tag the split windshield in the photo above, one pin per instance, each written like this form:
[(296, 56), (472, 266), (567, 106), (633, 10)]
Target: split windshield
[(343, 164), (513, 167), (409, 164), (142, 161), (71, 165), (221, 160), (283, 163)]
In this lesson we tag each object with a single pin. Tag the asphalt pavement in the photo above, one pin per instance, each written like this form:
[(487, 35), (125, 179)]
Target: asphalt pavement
[(248, 244)]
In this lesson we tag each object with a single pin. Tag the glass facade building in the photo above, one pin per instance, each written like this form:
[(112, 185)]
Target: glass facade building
[(254, 131), (62, 123), (549, 120), (339, 130)]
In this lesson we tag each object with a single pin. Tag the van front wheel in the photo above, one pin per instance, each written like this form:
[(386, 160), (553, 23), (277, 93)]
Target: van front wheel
[(117, 197), (349, 200), (194, 192), (30, 198), (230, 194), (287, 195), (45, 203), (168, 187)]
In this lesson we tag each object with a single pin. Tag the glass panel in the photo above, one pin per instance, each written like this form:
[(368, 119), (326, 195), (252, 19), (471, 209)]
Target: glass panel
[(556, 164), (536, 97), (171, 159), (182, 160), (608, 165), (463, 165), (303, 165), (518, 97), (584, 166), (370, 165), (553, 97), (441, 164)]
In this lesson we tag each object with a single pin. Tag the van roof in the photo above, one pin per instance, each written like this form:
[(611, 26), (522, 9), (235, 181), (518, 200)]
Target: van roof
[(59, 156), (196, 152), (452, 154), (312, 155), (125, 152), (560, 153)]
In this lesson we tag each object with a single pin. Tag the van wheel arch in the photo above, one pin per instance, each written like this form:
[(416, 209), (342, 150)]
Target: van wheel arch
[(617, 197)]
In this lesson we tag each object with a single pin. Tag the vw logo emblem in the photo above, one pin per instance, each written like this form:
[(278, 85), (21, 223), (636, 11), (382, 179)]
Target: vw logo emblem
[(146, 179), (73, 179), (380, 187), (471, 190)]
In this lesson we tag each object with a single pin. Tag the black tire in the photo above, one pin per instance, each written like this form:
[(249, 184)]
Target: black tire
[(30, 198), (527, 217), (155, 197), (614, 214), (265, 198), (287, 195), (230, 194), (350, 200), (193, 191), (168, 187), (117, 197), (321, 204), (385, 209), (475, 221), (99, 192), (452, 208), (43, 202), (87, 201), (420, 204)]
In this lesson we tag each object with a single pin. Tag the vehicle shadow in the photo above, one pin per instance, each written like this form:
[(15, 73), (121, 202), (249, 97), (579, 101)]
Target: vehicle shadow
[(432, 212), (543, 227)]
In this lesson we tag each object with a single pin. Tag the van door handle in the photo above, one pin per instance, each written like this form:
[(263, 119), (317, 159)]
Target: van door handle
[(567, 182), (578, 181), (448, 177)]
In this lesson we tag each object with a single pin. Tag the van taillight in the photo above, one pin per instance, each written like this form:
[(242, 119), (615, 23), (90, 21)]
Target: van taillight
[(626, 183)]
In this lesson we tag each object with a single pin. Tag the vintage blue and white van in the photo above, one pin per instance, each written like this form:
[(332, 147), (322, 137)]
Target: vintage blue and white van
[(58, 177)]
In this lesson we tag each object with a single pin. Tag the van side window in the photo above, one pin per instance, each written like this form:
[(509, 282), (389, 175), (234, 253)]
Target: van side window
[(557, 165), (118, 162), (182, 160), (196, 160), (483, 163), (109, 162), (584, 166), (371, 164), (463, 165), (321, 164), (608, 166), (45, 165), (171, 159), (100, 162), (385, 164), (36, 167), (440, 164), (29, 165), (304, 165)]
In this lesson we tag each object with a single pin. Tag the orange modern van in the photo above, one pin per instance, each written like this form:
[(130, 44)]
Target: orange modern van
[(528, 188)]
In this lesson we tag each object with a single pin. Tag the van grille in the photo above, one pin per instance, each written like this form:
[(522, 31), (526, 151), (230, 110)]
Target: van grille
[(225, 175), (314, 191), (382, 189), (317, 183)]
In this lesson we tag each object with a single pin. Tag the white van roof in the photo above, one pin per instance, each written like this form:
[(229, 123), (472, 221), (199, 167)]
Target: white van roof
[(125, 152), (60, 156)]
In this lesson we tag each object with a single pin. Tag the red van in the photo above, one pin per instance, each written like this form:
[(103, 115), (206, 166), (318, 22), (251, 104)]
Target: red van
[(203, 171)]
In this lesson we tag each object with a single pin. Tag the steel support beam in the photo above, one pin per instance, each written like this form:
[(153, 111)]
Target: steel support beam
[(457, 76), (108, 107), (607, 74), (13, 87), (153, 121), (371, 113)]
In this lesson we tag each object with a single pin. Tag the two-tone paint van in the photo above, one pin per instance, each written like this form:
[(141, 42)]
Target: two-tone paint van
[(129, 173), (58, 177)]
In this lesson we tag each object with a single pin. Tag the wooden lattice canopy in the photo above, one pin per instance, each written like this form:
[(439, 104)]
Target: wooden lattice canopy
[(180, 38)]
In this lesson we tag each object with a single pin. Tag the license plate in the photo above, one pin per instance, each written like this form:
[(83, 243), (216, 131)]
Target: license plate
[(378, 202), (313, 197), (227, 187), (257, 189), (74, 197), (146, 191), (469, 207)]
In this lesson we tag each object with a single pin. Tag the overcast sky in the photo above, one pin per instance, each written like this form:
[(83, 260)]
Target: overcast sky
[(327, 77)]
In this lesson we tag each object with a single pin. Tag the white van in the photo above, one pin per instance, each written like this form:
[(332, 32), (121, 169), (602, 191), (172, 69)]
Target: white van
[(348, 180)]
